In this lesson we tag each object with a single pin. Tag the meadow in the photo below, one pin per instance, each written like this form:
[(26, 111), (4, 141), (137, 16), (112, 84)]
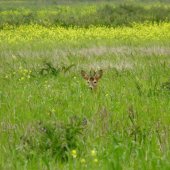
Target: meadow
[(50, 119)]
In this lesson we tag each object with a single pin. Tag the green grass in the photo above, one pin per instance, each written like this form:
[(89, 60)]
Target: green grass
[(127, 121), (50, 119)]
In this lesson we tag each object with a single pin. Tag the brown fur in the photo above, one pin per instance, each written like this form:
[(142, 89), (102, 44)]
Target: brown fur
[(92, 80)]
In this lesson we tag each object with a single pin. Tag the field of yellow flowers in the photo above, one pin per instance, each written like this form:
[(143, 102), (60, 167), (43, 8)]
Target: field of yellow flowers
[(139, 33)]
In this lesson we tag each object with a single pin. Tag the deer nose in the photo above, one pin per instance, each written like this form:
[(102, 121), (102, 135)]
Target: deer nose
[(91, 85)]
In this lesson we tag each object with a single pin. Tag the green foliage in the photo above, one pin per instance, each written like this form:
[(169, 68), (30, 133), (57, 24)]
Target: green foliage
[(125, 15), (106, 15), (48, 69), (166, 85), (55, 139)]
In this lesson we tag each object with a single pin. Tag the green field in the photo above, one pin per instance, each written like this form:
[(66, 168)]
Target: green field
[(50, 119)]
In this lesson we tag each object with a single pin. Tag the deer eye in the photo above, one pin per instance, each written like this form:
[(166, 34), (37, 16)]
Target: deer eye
[(95, 82), (87, 82)]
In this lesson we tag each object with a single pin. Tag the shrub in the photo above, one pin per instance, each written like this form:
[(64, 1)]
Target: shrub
[(56, 139)]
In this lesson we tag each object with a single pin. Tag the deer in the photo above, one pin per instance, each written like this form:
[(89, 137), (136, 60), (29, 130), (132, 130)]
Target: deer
[(92, 80)]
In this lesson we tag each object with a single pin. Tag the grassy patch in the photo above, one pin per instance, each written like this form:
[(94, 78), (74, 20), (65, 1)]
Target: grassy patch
[(50, 119), (126, 121)]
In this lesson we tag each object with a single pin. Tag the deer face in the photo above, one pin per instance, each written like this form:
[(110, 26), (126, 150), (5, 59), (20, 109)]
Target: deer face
[(92, 80)]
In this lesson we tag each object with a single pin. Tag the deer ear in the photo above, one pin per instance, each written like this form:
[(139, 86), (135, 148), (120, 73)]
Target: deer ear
[(85, 76), (99, 75)]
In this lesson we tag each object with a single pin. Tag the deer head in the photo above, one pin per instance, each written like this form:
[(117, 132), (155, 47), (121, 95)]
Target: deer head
[(92, 80)]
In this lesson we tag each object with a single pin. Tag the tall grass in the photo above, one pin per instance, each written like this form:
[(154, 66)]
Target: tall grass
[(50, 119), (126, 123)]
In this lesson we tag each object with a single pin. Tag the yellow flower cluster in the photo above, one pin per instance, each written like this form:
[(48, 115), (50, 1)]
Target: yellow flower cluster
[(24, 73), (83, 160), (46, 85), (36, 33), (21, 73)]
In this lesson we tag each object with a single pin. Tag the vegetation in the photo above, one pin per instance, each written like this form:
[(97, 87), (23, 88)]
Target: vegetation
[(39, 37), (50, 119), (85, 16)]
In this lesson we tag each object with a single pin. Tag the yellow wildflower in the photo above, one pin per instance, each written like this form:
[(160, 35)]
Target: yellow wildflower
[(74, 153), (93, 153), (14, 57), (26, 71), (83, 160), (95, 160)]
